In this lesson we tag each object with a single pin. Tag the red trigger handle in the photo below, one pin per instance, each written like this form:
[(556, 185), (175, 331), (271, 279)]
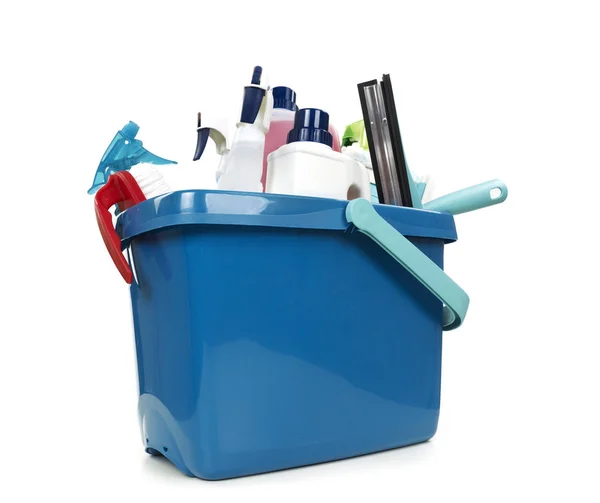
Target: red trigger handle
[(122, 189)]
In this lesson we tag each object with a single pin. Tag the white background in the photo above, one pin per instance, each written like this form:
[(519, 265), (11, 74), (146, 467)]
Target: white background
[(484, 90)]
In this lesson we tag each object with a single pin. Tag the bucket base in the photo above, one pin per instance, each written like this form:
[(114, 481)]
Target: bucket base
[(164, 437)]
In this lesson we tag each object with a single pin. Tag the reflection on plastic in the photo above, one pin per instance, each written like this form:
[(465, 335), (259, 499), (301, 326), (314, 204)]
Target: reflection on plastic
[(230, 204)]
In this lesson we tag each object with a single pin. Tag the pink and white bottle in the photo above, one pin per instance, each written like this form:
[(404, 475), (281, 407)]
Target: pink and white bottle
[(282, 121)]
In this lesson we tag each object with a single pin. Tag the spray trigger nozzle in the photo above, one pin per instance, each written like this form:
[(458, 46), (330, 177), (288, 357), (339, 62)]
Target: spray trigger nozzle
[(204, 133), (123, 152)]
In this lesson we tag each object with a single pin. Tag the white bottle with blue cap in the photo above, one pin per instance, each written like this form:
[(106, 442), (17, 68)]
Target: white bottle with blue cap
[(241, 166), (308, 166)]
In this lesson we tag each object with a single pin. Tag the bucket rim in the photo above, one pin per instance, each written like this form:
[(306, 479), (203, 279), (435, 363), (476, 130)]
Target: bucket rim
[(224, 208)]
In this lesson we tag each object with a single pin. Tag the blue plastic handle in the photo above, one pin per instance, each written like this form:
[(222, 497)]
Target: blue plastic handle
[(363, 216), (470, 199)]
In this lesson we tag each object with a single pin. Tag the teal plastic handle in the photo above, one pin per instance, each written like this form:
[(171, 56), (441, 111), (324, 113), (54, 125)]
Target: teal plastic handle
[(363, 216), (470, 199)]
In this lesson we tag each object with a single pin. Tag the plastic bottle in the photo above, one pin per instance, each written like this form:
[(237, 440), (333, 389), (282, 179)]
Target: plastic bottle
[(282, 121), (308, 166), (241, 167)]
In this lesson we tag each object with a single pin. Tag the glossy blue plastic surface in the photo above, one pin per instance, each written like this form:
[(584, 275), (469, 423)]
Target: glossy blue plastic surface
[(270, 335), (214, 207)]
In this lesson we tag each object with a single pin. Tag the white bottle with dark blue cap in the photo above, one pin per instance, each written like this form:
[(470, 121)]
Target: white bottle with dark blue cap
[(241, 167), (308, 166)]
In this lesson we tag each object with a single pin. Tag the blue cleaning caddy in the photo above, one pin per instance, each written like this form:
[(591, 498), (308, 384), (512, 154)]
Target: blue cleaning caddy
[(279, 331)]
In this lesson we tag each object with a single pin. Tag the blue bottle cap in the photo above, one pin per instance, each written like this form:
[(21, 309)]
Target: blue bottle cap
[(284, 97), (311, 124)]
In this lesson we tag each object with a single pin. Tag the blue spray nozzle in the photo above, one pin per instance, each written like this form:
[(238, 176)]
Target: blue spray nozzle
[(256, 75), (123, 152)]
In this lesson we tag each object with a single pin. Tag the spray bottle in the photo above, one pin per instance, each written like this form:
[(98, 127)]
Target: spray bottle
[(123, 152), (241, 165)]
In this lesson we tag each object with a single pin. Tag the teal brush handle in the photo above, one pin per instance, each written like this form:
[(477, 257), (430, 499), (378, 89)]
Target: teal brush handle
[(470, 199), (363, 216)]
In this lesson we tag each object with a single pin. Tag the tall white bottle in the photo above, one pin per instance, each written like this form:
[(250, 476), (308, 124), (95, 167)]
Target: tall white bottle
[(241, 167)]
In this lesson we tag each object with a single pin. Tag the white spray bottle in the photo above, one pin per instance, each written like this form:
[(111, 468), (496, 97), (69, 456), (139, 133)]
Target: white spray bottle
[(241, 165)]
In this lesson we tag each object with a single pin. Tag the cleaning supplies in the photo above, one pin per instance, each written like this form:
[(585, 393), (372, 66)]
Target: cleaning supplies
[(123, 152), (335, 138), (120, 189), (394, 184), (282, 121), (308, 166), (150, 180), (241, 165), (360, 155), (356, 145), (204, 133), (125, 189), (355, 133), (470, 199)]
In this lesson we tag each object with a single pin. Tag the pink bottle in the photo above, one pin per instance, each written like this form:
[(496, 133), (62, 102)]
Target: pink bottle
[(282, 120)]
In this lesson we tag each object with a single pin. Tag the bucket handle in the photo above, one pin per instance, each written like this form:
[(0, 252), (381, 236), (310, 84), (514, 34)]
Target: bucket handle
[(122, 189), (363, 216)]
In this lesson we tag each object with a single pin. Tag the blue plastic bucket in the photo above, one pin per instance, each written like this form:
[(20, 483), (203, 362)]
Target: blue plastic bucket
[(271, 334)]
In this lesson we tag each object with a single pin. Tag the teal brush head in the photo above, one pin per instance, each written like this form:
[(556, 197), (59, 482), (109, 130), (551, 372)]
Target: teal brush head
[(123, 152)]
